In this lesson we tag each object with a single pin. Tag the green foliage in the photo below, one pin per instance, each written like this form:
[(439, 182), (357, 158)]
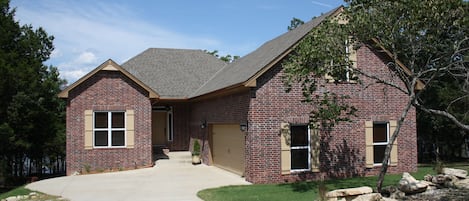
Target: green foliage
[(227, 58), (321, 53), (295, 22), (331, 110), (32, 122), (196, 148), (17, 191)]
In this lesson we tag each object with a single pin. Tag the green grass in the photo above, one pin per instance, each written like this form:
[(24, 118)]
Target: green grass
[(17, 191), (303, 190)]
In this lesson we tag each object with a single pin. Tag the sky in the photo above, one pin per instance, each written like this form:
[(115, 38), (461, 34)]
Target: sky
[(89, 32)]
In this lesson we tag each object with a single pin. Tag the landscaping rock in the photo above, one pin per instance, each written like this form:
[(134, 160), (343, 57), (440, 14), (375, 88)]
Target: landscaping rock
[(439, 179), (368, 197), (462, 184), (456, 172), (339, 193), (428, 177), (410, 185), (450, 180)]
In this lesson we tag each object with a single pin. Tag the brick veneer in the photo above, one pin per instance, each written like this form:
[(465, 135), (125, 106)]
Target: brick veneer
[(264, 107), (343, 148), (108, 90)]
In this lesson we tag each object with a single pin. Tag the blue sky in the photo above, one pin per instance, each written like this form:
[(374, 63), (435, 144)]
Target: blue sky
[(88, 32)]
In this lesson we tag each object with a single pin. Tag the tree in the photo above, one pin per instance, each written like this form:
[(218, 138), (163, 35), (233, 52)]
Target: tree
[(31, 114), (429, 38), (295, 22), (227, 58)]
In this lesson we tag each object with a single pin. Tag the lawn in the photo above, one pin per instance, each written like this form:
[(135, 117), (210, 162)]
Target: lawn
[(304, 190), (17, 191)]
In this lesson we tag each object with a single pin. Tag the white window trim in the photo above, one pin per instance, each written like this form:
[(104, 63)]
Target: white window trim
[(381, 143), (109, 130), (303, 147)]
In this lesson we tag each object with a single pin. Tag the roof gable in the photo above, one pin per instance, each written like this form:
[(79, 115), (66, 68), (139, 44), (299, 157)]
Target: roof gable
[(109, 65)]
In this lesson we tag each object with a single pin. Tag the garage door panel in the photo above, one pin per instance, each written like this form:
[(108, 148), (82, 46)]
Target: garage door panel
[(228, 147)]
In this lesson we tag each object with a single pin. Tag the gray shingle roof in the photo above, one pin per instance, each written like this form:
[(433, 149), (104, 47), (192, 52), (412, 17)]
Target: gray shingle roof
[(247, 66), (173, 73)]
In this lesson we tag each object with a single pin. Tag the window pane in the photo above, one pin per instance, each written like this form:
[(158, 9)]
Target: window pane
[(100, 119), (100, 138), (299, 159), (378, 153), (299, 136), (118, 138), (117, 120), (380, 132)]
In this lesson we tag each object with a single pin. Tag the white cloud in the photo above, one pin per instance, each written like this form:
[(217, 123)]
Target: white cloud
[(110, 30), (74, 74), (86, 58), (322, 4)]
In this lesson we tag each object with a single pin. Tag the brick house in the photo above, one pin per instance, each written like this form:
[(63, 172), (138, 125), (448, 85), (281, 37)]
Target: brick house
[(117, 115)]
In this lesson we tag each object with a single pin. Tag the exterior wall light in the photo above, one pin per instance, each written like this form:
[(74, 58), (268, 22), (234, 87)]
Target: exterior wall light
[(203, 124), (243, 126)]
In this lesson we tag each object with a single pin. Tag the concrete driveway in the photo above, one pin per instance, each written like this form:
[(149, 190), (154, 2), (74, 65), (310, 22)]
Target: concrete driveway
[(173, 179)]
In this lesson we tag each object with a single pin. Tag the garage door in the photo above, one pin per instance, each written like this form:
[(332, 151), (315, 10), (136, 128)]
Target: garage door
[(228, 147)]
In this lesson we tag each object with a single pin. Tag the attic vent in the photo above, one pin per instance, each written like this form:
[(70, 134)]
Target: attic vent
[(110, 68)]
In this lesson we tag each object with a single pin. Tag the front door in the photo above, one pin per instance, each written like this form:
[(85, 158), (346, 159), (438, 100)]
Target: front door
[(159, 127)]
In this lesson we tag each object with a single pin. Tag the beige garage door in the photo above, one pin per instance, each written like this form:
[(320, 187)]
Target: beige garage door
[(228, 147)]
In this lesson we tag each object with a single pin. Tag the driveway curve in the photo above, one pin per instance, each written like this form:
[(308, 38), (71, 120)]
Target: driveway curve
[(173, 179)]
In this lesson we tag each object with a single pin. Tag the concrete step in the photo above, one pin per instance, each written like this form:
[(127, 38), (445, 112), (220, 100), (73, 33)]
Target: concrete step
[(176, 157)]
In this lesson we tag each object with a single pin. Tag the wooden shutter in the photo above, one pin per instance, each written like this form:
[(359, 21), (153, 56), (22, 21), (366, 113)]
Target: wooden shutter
[(394, 159), (369, 144), (88, 129), (130, 126), (285, 155), (315, 149)]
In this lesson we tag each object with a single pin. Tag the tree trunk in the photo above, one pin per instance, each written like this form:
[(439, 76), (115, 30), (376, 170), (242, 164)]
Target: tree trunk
[(387, 153)]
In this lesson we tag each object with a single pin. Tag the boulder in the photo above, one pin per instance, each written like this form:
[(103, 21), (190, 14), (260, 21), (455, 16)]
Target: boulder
[(428, 177), (456, 172), (462, 184), (368, 197), (349, 192), (439, 179), (410, 185), (450, 180)]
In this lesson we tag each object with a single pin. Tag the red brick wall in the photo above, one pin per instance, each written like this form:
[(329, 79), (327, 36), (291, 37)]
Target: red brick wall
[(343, 148), (229, 109), (108, 90)]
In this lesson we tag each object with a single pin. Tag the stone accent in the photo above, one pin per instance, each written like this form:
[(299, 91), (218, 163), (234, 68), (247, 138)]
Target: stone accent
[(462, 184), (462, 174), (348, 193), (409, 185), (369, 197)]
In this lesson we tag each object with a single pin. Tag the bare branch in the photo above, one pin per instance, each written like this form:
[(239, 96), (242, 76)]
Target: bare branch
[(382, 81), (444, 114)]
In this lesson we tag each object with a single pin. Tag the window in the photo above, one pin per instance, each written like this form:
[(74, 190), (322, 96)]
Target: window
[(300, 148), (109, 129), (380, 140)]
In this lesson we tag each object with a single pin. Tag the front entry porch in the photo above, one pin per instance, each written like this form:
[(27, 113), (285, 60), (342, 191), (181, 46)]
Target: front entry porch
[(162, 131)]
